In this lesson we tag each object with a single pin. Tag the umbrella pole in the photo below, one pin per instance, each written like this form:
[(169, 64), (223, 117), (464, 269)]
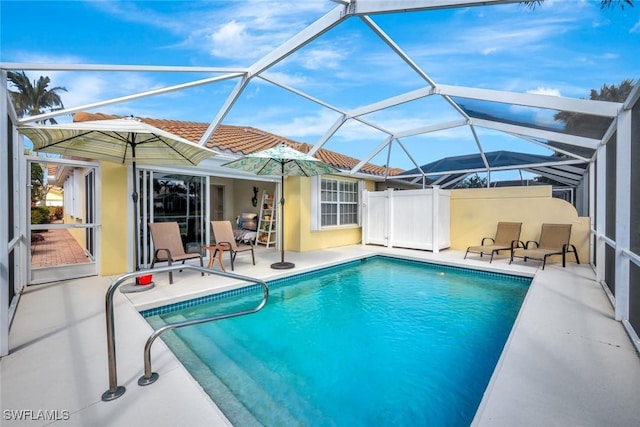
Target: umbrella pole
[(134, 197), (137, 286), (282, 265)]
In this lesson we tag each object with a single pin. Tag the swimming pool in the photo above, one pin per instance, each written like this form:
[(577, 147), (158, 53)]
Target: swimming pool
[(374, 342)]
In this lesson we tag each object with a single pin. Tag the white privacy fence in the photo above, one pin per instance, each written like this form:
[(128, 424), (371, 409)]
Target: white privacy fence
[(416, 219)]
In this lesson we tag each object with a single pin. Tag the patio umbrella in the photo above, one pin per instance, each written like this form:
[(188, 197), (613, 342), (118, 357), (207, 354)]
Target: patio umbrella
[(125, 141), (282, 161)]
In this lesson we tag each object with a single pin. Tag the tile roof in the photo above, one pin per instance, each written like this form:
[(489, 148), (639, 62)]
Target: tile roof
[(243, 140)]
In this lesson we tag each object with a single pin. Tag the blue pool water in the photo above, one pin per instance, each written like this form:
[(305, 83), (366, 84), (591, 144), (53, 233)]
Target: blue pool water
[(375, 342)]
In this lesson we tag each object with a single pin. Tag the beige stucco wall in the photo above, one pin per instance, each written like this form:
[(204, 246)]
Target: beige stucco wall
[(475, 213), (54, 197), (244, 193), (238, 194), (114, 219), (298, 235)]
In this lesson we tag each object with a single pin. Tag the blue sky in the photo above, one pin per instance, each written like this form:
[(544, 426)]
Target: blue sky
[(562, 47)]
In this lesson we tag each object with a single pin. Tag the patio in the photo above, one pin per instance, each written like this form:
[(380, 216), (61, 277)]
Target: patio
[(58, 247), (567, 362)]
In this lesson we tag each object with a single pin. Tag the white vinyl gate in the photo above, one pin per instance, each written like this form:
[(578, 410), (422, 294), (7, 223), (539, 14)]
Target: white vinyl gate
[(416, 219)]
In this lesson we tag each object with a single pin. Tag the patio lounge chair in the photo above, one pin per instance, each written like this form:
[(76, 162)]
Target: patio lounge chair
[(223, 234), (506, 239), (554, 240), (167, 242)]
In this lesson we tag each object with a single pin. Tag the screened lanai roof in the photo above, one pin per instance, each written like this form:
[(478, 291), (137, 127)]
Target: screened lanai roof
[(449, 171), (427, 107)]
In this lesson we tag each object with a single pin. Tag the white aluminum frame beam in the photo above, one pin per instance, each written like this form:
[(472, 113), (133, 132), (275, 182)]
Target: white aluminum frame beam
[(392, 102), (304, 37), (372, 125), (454, 182), (551, 147), (408, 155), (579, 141), (623, 213), (328, 134), (132, 97), (300, 93), (432, 128), (4, 224), (367, 7), (482, 156), (574, 169), (583, 106), (496, 168), (552, 174), (412, 132), (633, 98), (601, 211), (439, 180), (609, 133), (372, 154), (224, 110), (28, 66), (392, 44)]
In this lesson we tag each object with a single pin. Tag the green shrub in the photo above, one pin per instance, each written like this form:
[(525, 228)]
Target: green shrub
[(40, 215), (58, 212)]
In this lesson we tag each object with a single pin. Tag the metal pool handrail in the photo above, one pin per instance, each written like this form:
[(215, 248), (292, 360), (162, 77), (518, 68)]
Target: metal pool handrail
[(115, 390), (151, 377)]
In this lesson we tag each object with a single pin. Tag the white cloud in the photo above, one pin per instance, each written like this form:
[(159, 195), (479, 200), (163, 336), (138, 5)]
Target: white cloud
[(545, 91), (489, 50), (322, 58), (256, 28), (230, 40), (46, 58), (229, 32), (301, 128), (635, 28), (132, 12)]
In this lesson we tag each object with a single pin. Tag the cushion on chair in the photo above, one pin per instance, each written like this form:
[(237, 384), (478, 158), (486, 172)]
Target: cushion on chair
[(247, 221)]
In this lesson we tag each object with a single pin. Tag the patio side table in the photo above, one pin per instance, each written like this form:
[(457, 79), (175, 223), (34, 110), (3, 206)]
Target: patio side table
[(213, 249)]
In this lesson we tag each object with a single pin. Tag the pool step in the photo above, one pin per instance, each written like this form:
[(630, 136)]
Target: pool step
[(248, 403), (254, 398), (208, 380), (277, 383)]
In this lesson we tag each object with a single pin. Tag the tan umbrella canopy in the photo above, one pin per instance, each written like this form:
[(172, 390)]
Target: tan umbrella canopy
[(282, 161), (125, 141)]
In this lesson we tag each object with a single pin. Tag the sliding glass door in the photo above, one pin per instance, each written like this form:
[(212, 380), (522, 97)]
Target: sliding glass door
[(173, 197)]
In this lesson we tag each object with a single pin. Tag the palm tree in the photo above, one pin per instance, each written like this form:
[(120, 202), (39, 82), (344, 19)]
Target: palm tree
[(588, 125), (34, 98), (591, 126)]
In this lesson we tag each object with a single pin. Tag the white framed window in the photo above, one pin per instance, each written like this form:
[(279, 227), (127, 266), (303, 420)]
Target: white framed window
[(337, 202)]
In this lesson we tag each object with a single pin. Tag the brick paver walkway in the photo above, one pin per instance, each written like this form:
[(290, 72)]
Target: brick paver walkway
[(57, 248)]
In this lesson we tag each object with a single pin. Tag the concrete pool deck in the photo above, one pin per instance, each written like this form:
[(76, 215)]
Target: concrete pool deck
[(567, 361)]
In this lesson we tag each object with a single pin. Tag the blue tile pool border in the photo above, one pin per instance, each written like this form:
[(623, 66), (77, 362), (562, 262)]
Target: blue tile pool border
[(284, 280)]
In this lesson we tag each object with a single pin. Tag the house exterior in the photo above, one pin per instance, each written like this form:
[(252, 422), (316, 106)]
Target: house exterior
[(54, 197), (194, 196)]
